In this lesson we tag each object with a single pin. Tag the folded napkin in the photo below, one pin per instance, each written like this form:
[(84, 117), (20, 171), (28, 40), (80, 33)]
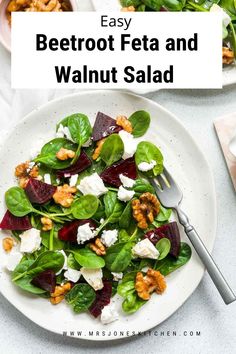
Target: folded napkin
[(226, 129)]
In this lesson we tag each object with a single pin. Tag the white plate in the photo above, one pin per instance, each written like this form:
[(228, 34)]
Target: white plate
[(229, 72), (182, 157)]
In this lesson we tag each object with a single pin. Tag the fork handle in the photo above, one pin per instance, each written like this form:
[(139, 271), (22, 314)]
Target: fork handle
[(221, 284)]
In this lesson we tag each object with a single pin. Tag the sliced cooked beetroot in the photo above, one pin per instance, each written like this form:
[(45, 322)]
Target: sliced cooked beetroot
[(45, 280), (103, 298), (170, 231), (104, 126), (39, 192), (80, 165), (11, 222), (69, 231), (125, 167)]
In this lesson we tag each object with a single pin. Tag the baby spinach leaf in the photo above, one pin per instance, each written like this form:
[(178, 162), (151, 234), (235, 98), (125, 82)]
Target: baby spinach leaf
[(125, 287), (113, 208), (163, 246), (81, 297), (118, 257), (170, 264), (48, 153), (140, 121), (148, 152), (123, 236), (143, 186), (112, 149), (164, 214), (17, 202), (126, 217), (71, 262), (127, 3), (57, 244), (79, 127), (132, 303), (85, 207), (88, 259)]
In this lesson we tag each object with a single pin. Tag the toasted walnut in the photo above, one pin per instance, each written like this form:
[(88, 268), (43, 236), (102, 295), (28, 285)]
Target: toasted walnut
[(123, 122), (145, 209), (47, 224), (152, 281), (227, 55), (24, 171), (60, 291), (7, 244), (64, 195), (65, 154), (128, 9), (98, 247), (98, 149)]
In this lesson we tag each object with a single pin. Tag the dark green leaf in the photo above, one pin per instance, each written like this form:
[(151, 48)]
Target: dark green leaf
[(148, 152), (140, 121), (85, 207), (118, 257), (88, 259), (17, 202), (112, 149), (81, 297), (163, 246)]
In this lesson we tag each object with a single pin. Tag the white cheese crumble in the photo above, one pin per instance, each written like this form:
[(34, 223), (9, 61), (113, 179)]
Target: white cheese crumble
[(130, 144), (117, 276), (92, 184), (126, 181), (109, 314), (145, 166), (65, 262), (85, 233), (101, 221), (225, 17), (30, 241), (47, 178), (93, 277), (73, 180), (12, 259), (124, 195), (109, 237), (63, 132), (72, 275), (145, 249)]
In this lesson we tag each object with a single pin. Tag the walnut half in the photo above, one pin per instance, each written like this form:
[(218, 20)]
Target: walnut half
[(152, 281), (145, 209)]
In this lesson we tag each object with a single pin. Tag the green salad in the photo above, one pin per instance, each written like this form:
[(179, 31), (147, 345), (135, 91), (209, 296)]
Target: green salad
[(226, 7), (84, 222)]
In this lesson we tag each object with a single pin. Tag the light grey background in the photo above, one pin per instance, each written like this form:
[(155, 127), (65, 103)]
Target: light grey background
[(204, 311)]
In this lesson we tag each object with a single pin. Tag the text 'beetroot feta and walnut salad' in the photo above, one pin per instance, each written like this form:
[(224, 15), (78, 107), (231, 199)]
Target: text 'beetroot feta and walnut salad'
[(86, 223)]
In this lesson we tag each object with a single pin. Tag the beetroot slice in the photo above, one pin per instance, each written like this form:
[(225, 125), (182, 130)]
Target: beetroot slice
[(80, 165), (104, 126), (125, 167), (14, 223), (45, 280), (170, 231), (68, 232), (39, 192), (103, 298)]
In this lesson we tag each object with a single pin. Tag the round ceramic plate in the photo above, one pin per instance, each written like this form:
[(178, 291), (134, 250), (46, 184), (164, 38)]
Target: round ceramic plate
[(229, 71), (184, 160)]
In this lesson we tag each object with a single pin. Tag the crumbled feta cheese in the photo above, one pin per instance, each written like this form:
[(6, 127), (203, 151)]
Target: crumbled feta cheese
[(130, 144), (101, 221), (109, 237), (145, 249), (117, 276), (63, 132), (109, 314), (145, 166), (85, 233), (92, 184), (88, 143), (93, 277), (124, 195), (12, 259), (126, 181), (30, 241), (47, 178), (72, 275), (73, 180), (225, 17), (65, 262)]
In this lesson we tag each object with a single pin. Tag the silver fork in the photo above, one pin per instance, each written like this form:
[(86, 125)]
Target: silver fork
[(171, 196)]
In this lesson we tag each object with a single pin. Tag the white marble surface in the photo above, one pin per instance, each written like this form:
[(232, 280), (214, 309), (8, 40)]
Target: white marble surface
[(204, 310)]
